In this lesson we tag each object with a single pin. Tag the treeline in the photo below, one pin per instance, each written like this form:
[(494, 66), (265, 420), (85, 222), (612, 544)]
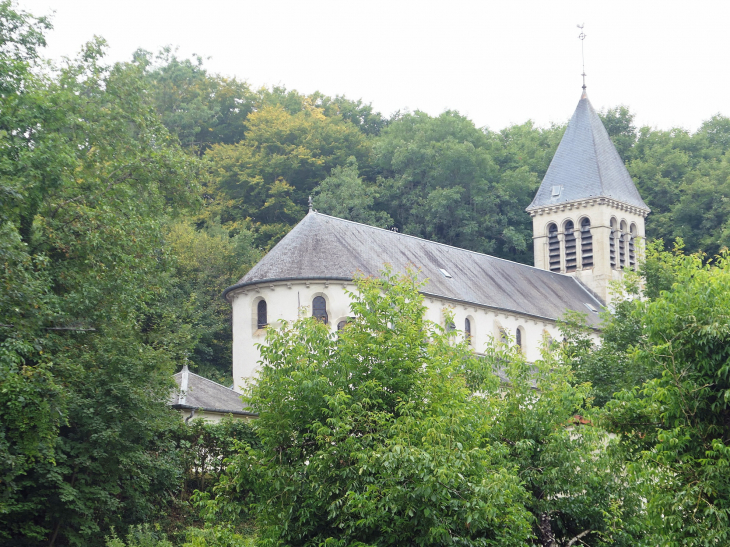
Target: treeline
[(439, 177), (132, 194)]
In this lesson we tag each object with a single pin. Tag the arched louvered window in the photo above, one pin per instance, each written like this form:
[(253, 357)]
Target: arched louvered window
[(467, 329), (518, 336), (586, 244), (632, 247), (623, 236), (261, 320), (553, 248), (612, 239), (571, 259), (319, 309)]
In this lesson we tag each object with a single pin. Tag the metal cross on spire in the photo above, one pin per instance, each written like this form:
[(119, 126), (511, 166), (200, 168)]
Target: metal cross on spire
[(582, 37)]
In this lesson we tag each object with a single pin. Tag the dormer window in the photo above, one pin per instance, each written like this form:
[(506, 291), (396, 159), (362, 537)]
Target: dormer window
[(319, 309), (261, 319)]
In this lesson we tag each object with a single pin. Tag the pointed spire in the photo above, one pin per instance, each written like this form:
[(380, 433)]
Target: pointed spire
[(310, 204), (586, 165)]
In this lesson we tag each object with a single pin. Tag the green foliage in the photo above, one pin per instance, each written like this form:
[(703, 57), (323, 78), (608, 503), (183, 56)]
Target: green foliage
[(345, 195), (678, 422), (573, 471), (205, 447), (445, 180), (368, 436), (199, 108), (207, 260), (89, 178), (138, 536), (217, 536), (267, 178)]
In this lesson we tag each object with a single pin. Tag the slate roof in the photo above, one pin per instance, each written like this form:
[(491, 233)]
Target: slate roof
[(586, 165), (325, 247), (196, 392)]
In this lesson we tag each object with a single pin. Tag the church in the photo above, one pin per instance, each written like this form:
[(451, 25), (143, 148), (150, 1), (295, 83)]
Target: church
[(588, 225)]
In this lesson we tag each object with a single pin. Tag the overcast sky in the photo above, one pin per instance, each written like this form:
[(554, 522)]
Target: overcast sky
[(498, 62)]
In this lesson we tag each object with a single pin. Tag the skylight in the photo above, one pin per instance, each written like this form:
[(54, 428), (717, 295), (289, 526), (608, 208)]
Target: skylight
[(446, 274), (556, 191), (591, 308)]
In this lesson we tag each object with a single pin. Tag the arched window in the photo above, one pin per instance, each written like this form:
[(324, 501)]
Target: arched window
[(261, 320), (571, 263), (623, 236), (319, 309), (503, 336), (518, 336), (586, 244), (632, 247), (612, 239), (553, 248), (450, 326), (467, 329), (342, 324)]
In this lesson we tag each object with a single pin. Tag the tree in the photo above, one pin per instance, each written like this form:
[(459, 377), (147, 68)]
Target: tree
[(573, 472), (199, 108), (207, 260), (90, 177), (370, 436), (267, 178), (444, 179), (345, 195), (676, 424)]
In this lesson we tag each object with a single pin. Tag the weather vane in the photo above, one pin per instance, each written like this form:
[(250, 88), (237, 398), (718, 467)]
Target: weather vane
[(582, 37)]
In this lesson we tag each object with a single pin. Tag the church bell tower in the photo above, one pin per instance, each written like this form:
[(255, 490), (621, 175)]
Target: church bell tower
[(587, 215)]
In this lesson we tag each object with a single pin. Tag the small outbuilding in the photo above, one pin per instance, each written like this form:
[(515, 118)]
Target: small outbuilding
[(199, 397)]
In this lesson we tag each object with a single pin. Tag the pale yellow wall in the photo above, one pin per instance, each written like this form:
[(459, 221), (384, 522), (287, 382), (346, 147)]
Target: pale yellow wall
[(214, 417), (599, 211), (284, 298)]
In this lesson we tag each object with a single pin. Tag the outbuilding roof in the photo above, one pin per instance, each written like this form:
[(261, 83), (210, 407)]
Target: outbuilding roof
[(198, 393), (586, 165), (325, 247)]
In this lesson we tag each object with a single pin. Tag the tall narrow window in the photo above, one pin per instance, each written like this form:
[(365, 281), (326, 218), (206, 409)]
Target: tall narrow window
[(623, 236), (586, 244), (571, 263), (612, 239), (553, 248), (518, 336), (319, 309), (632, 247), (261, 320), (467, 330)]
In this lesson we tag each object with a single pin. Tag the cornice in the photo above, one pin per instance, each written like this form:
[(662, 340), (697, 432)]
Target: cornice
[(589, 202)]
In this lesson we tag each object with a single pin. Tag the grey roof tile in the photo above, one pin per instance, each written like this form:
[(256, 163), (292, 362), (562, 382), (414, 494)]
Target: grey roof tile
[(205, 394), (586, 165), (321, 246)]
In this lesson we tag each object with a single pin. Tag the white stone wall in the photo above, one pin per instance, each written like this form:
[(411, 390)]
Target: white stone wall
[(285, 300), (600, 212)]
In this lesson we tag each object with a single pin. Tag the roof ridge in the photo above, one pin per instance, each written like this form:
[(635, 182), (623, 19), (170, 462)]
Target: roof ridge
[(207, 380)]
